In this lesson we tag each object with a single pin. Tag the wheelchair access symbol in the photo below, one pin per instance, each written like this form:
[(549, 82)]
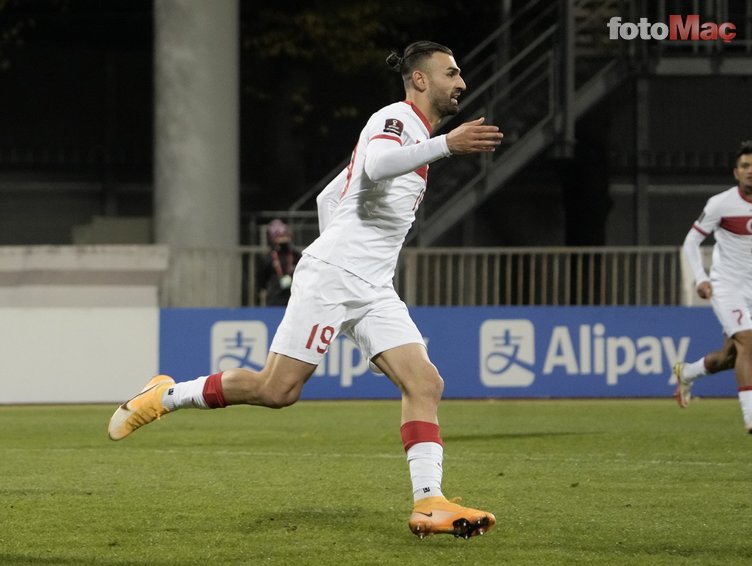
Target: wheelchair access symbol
[(507, 353), (238, 344)]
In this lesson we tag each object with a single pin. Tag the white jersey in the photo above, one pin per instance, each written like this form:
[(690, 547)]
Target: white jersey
[(728, 216), (366, 211)]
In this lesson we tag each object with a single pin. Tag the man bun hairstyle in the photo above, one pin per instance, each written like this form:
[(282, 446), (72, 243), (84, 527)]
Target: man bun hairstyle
[(413, 56)]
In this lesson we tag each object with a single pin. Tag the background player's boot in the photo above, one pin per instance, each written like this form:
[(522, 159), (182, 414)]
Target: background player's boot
[(683, 391), (141, 409), (436, 515)]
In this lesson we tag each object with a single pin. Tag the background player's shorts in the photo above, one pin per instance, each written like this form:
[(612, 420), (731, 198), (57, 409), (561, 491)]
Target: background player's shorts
[(327, 301), (732, 305)]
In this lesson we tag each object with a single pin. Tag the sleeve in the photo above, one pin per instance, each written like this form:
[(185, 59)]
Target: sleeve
[(326, 202), (705, 225), (692, 252), (710, 219), (387, 158)]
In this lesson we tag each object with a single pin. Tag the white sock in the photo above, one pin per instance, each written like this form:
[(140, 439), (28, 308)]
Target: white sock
[(424, 460), (186, 394), (745, 400), (692, 371)]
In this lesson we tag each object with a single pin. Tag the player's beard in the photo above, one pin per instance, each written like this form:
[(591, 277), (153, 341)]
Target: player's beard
[(445, 106)]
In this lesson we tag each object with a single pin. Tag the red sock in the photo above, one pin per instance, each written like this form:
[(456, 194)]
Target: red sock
[(213, 394), (414, 432)]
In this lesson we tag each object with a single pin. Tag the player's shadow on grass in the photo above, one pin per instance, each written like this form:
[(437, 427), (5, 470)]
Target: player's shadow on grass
[(512, 435)]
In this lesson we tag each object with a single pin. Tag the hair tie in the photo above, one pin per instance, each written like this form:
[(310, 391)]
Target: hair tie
[(394, 61)]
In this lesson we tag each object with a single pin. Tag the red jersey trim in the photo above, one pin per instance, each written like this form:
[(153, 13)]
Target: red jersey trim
[(700, 230), (742, 195), (423, 172), (420, 114), (741, 225), (386, 137)]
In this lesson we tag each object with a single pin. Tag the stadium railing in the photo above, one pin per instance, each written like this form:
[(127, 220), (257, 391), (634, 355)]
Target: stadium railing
[(650, 275)]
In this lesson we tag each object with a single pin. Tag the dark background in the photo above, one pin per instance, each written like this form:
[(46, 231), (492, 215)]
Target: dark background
[(76, 86), (76, 95)]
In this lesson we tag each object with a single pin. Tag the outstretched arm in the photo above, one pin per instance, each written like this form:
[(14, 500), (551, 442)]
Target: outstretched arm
[(387, 159)]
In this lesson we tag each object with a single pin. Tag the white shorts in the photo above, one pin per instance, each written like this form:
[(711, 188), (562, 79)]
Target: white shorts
[(732, 305), (327, 301)]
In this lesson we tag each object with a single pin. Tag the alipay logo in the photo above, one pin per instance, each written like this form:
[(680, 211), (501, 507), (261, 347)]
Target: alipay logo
[(238, 344), (507, 353)]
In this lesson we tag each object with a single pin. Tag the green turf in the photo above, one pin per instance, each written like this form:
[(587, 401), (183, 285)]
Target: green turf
[(571, 482)]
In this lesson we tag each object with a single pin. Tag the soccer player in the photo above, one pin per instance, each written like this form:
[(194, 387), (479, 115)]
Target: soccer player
[(687, 373), (343, 285), (727, 215)]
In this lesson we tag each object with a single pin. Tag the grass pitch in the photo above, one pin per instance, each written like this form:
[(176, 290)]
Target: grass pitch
[(571, 482)]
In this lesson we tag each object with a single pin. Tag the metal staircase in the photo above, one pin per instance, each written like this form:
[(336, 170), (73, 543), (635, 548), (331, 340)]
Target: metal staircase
[(544, 67), (534, 76)]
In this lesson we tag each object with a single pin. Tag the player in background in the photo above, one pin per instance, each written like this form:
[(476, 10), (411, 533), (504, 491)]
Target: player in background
[(728, 216), (343, 285), (686, 373)]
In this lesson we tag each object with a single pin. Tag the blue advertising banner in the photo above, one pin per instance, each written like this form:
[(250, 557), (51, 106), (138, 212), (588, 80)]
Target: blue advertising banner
[(481, 352)]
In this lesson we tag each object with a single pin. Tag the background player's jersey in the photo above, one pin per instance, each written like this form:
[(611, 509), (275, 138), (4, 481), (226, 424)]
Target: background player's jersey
[(728, 215), (364, 222)]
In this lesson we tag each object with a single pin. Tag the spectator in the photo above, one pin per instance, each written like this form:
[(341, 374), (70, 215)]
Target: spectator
[(276, 269)]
